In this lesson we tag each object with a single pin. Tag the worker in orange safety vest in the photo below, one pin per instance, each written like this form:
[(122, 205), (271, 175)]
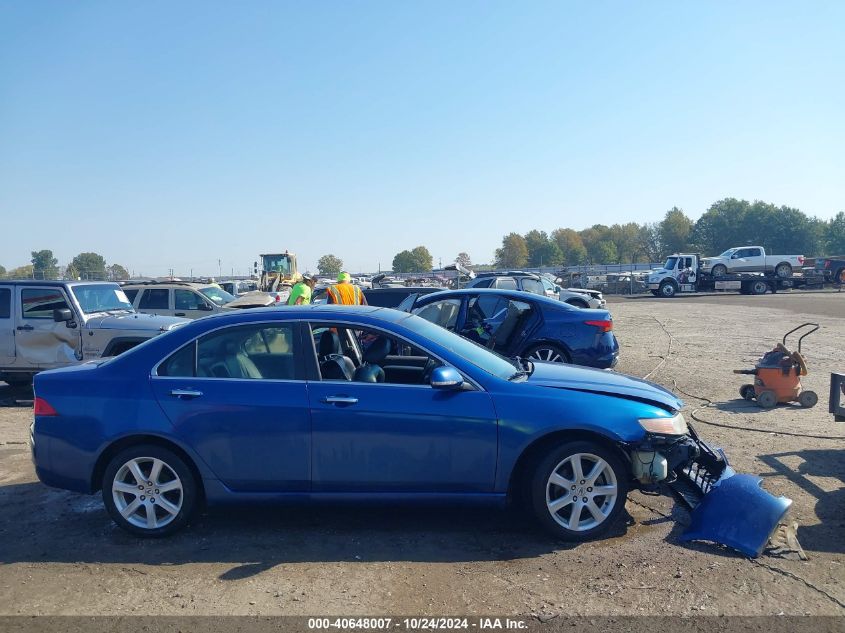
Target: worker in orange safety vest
[(345, 292)]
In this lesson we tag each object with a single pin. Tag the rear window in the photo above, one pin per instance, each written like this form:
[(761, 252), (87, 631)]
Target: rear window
[(385, 299), (5, 303)]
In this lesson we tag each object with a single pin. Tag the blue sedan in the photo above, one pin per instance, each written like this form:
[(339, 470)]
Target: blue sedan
[(522, 324), (355, 403)]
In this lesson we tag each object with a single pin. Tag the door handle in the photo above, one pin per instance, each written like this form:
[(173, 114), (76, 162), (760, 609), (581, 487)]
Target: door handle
[(179, 314), (185, 393), (340, 400), (25, 328)]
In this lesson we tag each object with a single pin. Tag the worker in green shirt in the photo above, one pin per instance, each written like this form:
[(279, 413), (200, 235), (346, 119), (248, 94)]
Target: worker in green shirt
[(300, 294)]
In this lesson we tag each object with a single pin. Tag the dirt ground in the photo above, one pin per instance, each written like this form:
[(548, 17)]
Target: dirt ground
[(60, 554)]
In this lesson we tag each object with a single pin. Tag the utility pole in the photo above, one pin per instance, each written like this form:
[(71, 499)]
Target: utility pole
[(219, 269)]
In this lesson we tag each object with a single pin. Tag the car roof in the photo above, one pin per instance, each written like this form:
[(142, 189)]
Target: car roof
[(53, 282), (310, 311), (520, 295), (408, 289), (170, 284), (510, 273)]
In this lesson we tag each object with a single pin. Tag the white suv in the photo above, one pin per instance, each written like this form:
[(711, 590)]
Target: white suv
[(536, 284), (178, 298)]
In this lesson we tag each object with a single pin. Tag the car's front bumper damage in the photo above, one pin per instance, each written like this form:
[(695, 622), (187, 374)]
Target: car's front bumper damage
[(727, 508)]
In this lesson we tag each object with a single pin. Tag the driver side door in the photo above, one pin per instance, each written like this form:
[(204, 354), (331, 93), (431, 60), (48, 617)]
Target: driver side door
[(395, 437)]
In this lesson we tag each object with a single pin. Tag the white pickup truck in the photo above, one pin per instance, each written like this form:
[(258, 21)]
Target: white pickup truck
[(745, 259)]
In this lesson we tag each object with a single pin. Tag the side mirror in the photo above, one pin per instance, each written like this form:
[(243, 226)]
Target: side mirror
[(62, 314), (447, 378), (207, 307)]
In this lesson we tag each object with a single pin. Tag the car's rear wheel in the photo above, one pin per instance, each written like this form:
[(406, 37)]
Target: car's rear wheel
[(149, 491), (547, 352), (759, 287), (578, 491)]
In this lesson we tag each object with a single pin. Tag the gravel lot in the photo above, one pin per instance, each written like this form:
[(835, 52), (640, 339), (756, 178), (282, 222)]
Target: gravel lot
[(60, 553)]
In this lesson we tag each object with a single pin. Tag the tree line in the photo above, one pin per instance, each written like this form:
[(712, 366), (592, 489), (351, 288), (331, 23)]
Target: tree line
[(729, 222), (44, 265)]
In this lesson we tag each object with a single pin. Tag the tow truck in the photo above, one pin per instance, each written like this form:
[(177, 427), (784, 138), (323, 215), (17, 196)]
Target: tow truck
[(682, 273)]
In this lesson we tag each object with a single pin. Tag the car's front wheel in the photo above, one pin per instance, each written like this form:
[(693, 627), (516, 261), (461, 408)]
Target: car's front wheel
[(578, 491), (149, 490)]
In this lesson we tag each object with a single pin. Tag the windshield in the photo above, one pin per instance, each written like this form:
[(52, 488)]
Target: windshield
[(728, 252), (101, 298), (481, 357), (670, 263), (217, 295), (277, 264)]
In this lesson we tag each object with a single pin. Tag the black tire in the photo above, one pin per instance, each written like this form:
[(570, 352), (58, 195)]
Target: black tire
[(547, 352), (747, 392), (759, 287), (767, 399), (578, 303), (18, 381), (187, 495), (668, 289), (719, 270), (783, 270), (554, 461), (808, 399)]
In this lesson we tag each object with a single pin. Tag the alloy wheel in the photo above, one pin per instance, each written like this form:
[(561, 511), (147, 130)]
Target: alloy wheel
[(581, 492), (147, 492), (548, 354)]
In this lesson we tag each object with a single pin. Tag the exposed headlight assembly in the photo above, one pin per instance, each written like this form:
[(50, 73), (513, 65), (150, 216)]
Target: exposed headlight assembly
[(676, 425)]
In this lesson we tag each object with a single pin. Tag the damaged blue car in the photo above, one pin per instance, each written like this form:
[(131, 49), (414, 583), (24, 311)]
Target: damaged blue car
[(327, 403)]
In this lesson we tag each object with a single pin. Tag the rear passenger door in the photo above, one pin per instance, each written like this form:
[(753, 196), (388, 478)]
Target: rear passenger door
[(7, 327), (155, 301), (237, 396), (41, 342)]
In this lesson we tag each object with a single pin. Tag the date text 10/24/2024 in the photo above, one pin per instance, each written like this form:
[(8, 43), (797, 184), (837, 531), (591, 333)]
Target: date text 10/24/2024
[(416, 623)]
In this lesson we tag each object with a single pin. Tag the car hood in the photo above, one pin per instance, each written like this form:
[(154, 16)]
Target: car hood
[(609, 383), (137, 321)]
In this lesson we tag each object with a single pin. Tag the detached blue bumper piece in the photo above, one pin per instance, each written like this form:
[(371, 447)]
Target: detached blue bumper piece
[(738, 513)]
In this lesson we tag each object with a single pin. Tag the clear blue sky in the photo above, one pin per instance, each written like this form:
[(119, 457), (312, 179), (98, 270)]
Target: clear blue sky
[(171, 134)]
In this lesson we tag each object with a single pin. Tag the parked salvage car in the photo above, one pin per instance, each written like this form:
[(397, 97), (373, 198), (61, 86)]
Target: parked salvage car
[(535, 284), (523, 324), (48, 324), (268, 405), (744, 259), (833, 268), (179, 298), (237, 288)]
